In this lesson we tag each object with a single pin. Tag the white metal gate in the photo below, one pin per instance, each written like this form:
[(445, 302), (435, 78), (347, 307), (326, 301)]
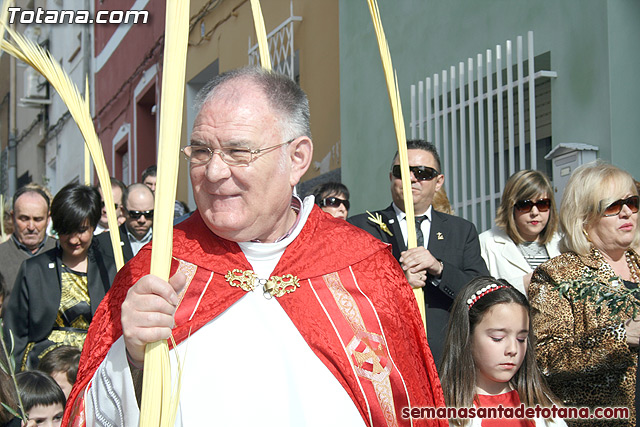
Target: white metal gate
[(462, 112), (281, 48)]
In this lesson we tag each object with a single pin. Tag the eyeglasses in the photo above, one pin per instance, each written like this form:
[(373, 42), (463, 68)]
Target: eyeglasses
[(138, 214), (233, 156), (422, 173), (334, 202), (525, 206), (616, 207)]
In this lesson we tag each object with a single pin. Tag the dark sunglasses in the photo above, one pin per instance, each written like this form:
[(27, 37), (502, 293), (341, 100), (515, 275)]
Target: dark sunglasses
[(616, 207), (138, 214), (525, 206), (334, 202), (422, 173)]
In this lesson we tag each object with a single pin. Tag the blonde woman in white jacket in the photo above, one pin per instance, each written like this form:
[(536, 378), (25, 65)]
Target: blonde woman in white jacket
[(525, 234)]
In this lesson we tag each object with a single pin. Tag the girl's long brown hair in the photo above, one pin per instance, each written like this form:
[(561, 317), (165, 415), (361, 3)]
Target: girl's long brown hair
[(458, 369)]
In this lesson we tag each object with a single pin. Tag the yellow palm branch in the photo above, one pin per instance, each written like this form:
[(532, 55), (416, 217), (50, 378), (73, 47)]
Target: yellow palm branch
[(42, 61), (159, 406), (4, 18), (261, 34), (398, 121)]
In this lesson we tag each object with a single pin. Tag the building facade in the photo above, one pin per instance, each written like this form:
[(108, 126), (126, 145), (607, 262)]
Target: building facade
[(591, 98), (128, 76), (39, 140), (303, 39)]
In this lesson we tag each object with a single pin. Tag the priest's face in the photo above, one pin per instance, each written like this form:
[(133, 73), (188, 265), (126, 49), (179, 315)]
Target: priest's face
[(246, 202)]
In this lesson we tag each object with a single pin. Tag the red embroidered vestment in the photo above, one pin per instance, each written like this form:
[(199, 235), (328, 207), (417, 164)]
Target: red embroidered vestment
[(354, 309)]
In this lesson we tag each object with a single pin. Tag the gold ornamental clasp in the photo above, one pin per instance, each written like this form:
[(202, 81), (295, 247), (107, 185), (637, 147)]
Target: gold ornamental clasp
[(278, 286), (244, 280), (275, 286)]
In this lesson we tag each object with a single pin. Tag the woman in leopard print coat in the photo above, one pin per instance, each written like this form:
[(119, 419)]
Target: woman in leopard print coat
[(590, 358)]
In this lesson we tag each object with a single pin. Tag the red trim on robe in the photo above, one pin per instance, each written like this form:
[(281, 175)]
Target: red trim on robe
[(391, 324)]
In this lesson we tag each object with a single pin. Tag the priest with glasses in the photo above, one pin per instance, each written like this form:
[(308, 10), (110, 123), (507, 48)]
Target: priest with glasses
[(283, 315)]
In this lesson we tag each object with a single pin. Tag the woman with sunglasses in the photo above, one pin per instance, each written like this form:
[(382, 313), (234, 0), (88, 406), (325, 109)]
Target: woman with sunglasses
[(525, 233), (57, 292), (333, 198), (588, 354)]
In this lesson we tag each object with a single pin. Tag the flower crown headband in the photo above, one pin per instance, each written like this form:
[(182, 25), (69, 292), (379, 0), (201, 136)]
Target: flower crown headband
[(482, 292)]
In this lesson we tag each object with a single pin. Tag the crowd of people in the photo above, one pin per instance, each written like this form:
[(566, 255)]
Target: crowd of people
[(58, 264), (275, 295)]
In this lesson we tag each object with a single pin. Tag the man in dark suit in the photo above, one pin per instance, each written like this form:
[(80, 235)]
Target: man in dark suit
[(105, 243), (448, 253), (137, 229)]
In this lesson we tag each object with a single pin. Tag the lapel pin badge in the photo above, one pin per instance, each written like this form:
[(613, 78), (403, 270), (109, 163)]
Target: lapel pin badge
[(440, 236), (377, 219)]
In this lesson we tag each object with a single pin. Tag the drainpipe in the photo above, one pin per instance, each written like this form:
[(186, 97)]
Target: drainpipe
[(87, 49), (12, 169)]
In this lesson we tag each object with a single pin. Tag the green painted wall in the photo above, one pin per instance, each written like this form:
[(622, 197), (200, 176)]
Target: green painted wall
[(593, 46), (624, 68)]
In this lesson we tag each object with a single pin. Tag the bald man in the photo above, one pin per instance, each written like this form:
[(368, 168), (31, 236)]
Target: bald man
[(30, 215)]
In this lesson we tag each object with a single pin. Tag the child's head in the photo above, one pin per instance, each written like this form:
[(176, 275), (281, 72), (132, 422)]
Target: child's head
[(42, 398), (499, 328), (61, 364), (489, 345)]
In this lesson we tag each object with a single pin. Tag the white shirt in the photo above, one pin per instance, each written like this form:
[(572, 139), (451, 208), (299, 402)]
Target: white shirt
[(99, 230), (136, 244), (425, 226)]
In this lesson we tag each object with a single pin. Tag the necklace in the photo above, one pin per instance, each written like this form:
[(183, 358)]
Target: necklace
[(632, 264), (534, 253), (532, 249)]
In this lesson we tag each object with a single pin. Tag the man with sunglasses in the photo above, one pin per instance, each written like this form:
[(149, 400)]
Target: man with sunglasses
[(137, 228), (268, 295), (448, 252), (117, 188)]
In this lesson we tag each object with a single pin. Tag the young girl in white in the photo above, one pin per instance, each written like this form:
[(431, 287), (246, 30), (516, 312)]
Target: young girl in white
[(489, 358)]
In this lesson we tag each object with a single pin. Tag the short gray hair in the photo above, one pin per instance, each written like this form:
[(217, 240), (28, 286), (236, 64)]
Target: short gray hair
[(285, 97)]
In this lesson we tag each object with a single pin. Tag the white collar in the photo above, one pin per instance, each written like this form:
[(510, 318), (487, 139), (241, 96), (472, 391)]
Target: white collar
[(402, 216), (266, 250)]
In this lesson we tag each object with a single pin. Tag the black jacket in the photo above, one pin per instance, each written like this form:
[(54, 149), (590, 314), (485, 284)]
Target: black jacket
[(452, 240), (105, 243), (35, 301)]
